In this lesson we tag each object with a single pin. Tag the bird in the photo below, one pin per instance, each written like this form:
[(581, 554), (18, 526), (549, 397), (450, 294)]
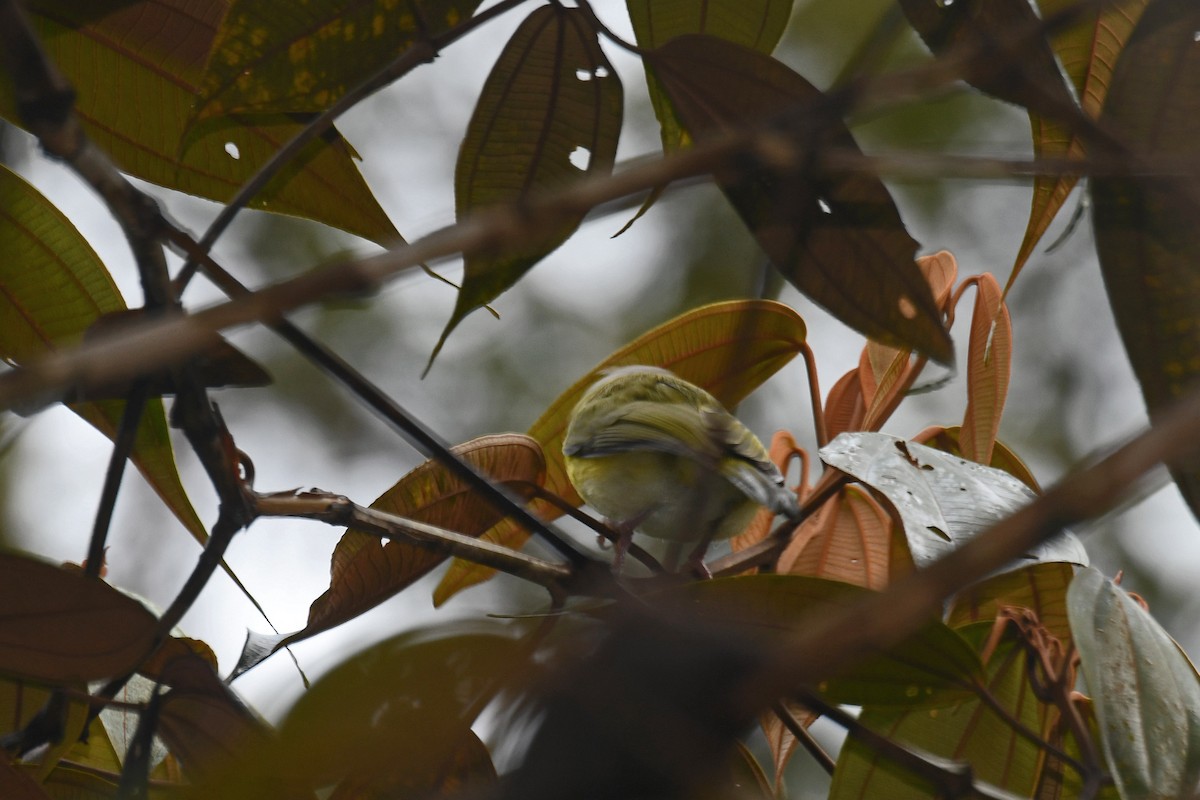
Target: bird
[(654, 453)]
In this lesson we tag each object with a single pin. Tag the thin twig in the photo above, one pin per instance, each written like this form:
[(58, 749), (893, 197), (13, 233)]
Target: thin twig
[(804, 737), (127, 430)]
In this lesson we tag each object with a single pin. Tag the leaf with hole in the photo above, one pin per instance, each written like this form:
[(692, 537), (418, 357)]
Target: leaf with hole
[(836, 237), (727, 348), (549, 114), (1145, 691), (154, 53), (942, 500)]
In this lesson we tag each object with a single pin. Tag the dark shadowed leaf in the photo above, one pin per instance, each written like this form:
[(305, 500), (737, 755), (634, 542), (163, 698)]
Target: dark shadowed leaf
[(728, 348), (468, 767), (1088, 50), (757, 24), (1146, 232), (837, 238), (137, 68), (58, 626), (969, 732), (934, 667), (550, 113), (287, 57), (365, 571), (943, 500), (1145, 691), (53, 287), (17, 783)]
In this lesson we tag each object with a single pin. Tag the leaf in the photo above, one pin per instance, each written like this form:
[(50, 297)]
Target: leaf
[(284, 57), (837, 238), (366, 571), (53, 288), (18, 784), (549, 114), (989, 367), (756, 24), (933, 667), (1145, 691), (468, 768), (844, 405), (1003, 458), (1146, 232), (154, 53), (1041, 588), (942, 500), (1087, 50), (60, 627), (848, 540), (727, 348), (969, 732)]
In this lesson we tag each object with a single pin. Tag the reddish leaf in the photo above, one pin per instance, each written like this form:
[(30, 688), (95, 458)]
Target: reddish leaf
[(58, 626), (1146, 232), (727, 348), (782, 741), (848, 540), (550, 113), (837, 238), (365, 571), (989, 366), (844, 405)]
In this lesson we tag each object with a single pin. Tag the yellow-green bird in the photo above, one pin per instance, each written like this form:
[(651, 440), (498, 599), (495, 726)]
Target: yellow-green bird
[(654, 453)]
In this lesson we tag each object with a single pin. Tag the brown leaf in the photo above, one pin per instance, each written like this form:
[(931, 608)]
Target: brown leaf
[(844, 406), (837, 238), (60, 627), (989, 367), (781, 740), (1146, 232), (848, 540)]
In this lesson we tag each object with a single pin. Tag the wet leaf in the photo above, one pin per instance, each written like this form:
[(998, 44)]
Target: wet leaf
[(934, 667), (283, 57), (969, 732), (156, 52), (1087, 50), (837, 238), (53, 287), (1146, 232), (549, 114), (757, 24), (989, 367), (727, 348), (365, 571), (942, 500), (1145, 691), (60, 627), (848, 540)]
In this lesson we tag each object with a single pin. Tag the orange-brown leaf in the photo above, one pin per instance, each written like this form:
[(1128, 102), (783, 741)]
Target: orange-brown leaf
[(845, 406), (989, 367), (727, 348), (850, 540)]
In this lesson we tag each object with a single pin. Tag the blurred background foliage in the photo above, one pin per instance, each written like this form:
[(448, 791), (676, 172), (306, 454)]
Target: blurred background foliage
[(1072, 389)]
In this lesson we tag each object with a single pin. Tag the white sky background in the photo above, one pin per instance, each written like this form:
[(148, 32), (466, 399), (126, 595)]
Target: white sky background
[(408, 136)]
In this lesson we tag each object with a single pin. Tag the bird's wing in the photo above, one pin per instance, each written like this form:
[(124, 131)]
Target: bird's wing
[(660, 427), (747, 464)]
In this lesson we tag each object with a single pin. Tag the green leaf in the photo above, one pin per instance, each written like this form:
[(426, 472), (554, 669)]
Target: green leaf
[(934, 667), (549, 114), (366, 571), (61, 627), (1146, 232), (1145, 691), (943, 500), (1041, 588), (757, 24), (137, 68), (53, 286), (727, 348), (836, 237), (970, 732), (284, 57)]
